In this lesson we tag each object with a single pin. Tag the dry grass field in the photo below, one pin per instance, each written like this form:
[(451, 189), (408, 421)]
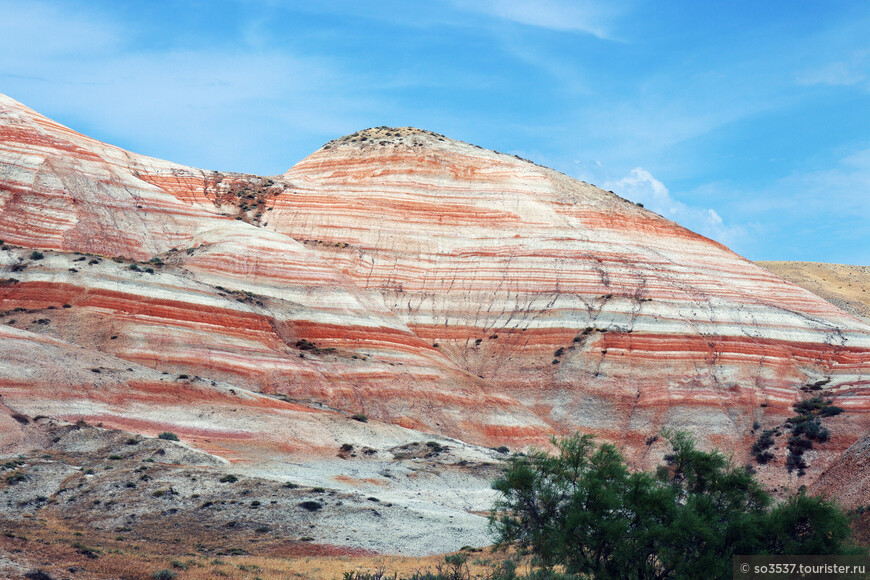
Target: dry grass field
[(64, 550)]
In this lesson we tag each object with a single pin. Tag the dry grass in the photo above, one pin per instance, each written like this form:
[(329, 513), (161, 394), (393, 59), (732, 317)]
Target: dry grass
[(58, 547), (61, 550)]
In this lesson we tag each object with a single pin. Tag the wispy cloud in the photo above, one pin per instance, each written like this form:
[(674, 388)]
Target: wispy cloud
[(819, 215), (594, 18), (228, 99), (843, 189), (720, 104), (849, 72), (641, 186), (31, 30)]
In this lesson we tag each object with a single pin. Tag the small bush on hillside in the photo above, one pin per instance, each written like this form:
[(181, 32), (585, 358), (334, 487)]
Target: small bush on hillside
[(762, 444), (23, 419), (359, 417), (311, 506), (168, 436)]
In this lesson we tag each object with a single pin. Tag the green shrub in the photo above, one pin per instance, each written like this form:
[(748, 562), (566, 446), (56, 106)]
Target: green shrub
[(228, 478), (36, 255), (359, 417), (168, 436), (583, 510), (311, 506), (435, 447)]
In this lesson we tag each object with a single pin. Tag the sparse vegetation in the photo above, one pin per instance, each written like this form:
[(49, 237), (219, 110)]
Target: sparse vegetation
[(168, 436), (760, 448), (86, 551), (36, 255), (435, 447), (806, 427), (359, 417)]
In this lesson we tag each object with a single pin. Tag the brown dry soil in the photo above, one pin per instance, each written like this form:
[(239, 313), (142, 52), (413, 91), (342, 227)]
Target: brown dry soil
[(846, 287), (63, 549)]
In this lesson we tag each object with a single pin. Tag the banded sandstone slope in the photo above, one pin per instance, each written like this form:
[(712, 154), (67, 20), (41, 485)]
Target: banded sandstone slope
[(593, 312), (422, 281)]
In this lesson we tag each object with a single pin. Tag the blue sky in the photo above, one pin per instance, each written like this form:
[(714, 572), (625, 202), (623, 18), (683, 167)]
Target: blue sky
[(746, 121)]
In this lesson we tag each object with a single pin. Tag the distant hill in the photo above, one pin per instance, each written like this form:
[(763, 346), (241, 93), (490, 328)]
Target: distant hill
[(846, 287)]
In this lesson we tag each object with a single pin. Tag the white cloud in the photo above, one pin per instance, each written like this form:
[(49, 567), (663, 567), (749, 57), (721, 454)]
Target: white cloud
[(641, 186), (594, 18)]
